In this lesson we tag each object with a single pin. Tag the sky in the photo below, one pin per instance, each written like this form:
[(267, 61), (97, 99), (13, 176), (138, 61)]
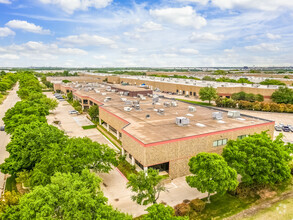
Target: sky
[(150, 33)]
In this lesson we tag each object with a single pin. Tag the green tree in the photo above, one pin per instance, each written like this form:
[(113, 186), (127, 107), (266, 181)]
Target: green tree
[(9, 199), (27, 145), (211, 174), (208, 93), (94, 112), (259, 159), (73, 156), (272, 82), (70, 96), (283, 95), (147, 186), (69, 196), (161, 212)]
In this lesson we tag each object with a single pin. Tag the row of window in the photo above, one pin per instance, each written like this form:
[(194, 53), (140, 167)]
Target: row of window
[(224, 141)]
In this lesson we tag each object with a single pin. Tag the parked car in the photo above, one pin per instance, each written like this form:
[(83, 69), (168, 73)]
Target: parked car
[(286, 129), (278, 128), (290, 127), (2, 128), (73, 112)]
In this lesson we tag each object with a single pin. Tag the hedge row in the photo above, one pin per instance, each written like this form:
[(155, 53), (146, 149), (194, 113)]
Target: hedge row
[(257, 106)]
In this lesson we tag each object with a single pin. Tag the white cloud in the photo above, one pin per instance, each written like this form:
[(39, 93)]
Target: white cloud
[(185, 17), (150, 26), (273, 36), (196, 37), (132, 35), (131, 50), (263, 47), (25, 26), (203, 2), (70, 6), (5, 2), (9, 56), (87, 40), (265, 5), (101, 57), (5, 31), (189, 51)]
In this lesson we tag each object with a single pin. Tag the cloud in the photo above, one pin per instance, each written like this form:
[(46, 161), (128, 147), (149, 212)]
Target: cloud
[(196, 37), (188, 51), (5, 2), (263, 47), (5, 31), (150, 26), (9, 56), (100, 57), (87, 40), (132, 35), (131, 50), (273, 36), (37, 51), (203, 2), (25, 26), (264, 5), (70, 6), (185, 17)]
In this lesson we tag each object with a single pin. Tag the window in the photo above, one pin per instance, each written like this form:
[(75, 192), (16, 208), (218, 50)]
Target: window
[(190, 93), (220, 142), (242, 136)]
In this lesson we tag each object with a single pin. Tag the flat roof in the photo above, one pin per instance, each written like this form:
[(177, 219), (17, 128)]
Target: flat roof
[(162, 127), (129, 88)]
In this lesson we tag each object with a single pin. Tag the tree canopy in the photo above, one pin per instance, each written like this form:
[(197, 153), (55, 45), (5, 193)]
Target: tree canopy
[(68, 196), (161, 212), (283, 95), (94, 112), (211, 174), (259, 159), (146, 185), (208, 93)]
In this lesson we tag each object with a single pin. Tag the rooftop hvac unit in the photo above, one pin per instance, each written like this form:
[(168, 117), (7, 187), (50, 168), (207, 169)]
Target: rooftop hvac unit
[(234, 114), (218, 115), (137, 107), (109, 98), (97, 91), (142, 98), (189, 115), (126, 93), (127, 109), (191, 109), (106, 100), (167, 104), (123, 99), (135, 102), (103, 93), (174, 104), (113, 90), (156, 110), (155, 99), (121, 93), (108, 88), (181, 121), (161, 111)]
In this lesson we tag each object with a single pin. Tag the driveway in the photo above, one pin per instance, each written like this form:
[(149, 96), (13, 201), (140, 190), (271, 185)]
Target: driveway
[(8, 103), (114, 183)]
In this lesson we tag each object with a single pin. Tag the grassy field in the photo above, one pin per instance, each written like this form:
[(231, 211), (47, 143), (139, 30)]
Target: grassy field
[(89, 127), (195, 102), (222, 207), (282, 210)]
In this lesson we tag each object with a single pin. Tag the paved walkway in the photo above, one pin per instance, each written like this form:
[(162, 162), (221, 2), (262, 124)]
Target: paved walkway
[(114, 183), (8, 103)]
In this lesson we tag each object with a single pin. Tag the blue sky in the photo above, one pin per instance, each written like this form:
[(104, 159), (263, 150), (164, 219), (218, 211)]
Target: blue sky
[(166, 33)]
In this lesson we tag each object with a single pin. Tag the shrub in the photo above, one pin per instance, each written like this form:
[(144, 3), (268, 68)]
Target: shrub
[(197, 204), (182, 209)]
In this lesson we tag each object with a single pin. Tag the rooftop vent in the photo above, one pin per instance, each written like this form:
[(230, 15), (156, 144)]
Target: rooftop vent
[(123, 99), (167, 104), (181, 121), (174, 104), (127, 109), (108, 88), (142, 98), (147, 116), (161, 111), (103, 93), (128, 102), (191, 109), (200, 125), (218, 115), (109, 98), (189, 115), (234, 114)]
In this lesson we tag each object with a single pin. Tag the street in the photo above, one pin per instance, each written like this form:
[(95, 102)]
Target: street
[(10, 101)]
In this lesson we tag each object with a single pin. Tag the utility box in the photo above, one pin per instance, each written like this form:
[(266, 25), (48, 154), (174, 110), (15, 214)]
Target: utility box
[(191, 109), (234, 114), (182, 121)]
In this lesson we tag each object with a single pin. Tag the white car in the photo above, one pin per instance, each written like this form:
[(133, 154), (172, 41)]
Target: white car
[(73, 112)]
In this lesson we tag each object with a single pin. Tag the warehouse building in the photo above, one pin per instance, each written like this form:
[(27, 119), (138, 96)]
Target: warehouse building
[(163, 133)]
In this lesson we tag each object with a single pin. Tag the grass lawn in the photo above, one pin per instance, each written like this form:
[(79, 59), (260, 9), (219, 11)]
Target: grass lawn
[(2, 98), (195, 102), (89, 127), (11, 184), (126, 168), (222, 207), (282, 210)]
